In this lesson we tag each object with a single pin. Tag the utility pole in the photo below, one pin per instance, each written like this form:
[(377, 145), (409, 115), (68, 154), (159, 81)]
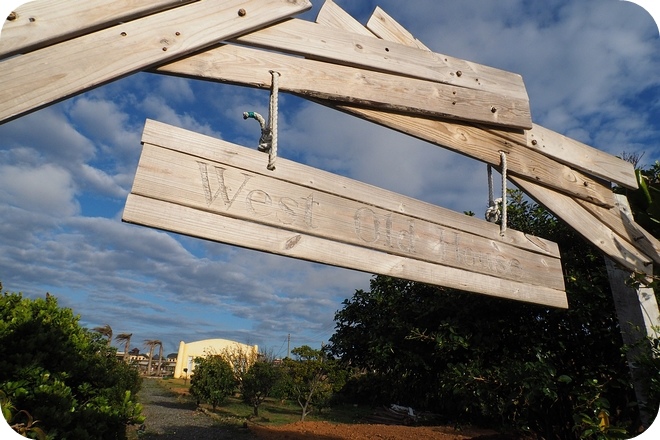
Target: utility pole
[(288, 346)]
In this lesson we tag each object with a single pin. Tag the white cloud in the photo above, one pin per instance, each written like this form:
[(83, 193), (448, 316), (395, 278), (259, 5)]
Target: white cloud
[(47, 188)]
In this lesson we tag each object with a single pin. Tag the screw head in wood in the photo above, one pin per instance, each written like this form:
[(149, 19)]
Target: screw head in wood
[(12, 16), (493, 109), (534, 142), (459, 73), (242, 12)]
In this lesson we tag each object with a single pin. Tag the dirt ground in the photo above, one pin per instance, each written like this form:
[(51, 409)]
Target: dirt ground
[(330, 431)]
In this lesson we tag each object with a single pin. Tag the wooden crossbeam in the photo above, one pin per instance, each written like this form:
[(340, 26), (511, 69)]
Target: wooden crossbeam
[(44, 76), (41, 23), (333, 16), (586, 224), (581, 156), (508, 101), (209, 188), (315, 79), (472, 141), (620, 220), (384, 26)]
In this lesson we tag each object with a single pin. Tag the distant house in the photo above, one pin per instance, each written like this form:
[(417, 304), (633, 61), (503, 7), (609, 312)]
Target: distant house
[(191, 350)]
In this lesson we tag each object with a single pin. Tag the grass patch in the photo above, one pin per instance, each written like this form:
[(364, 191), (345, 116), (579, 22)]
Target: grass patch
[(277, 412), (178, 386), (271, 412)]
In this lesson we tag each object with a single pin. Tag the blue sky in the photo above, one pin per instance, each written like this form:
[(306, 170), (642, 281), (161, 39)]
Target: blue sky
[(591, 68)]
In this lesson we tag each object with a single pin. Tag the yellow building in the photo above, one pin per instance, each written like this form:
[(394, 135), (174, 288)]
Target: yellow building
[(191, 350)]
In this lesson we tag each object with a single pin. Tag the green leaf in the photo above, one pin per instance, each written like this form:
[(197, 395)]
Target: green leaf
[(565, 379)]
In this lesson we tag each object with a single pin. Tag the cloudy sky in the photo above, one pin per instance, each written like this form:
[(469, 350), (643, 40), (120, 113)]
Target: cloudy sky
[(591, 68)]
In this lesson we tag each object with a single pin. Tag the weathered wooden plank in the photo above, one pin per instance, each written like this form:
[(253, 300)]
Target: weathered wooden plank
[(210, 226), (170, 137), (76, 65), (581, 156), (385, 27), (333, 16), (621, 221), (586, 224), (475, 142), (180, 178), (341, 47), (315, 79), (40, 23)]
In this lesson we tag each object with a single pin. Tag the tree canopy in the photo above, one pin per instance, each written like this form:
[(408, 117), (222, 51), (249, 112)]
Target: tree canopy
[(560, 373)]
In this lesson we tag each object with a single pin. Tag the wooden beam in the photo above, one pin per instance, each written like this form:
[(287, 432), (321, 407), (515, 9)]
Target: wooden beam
[(333, 16), (315, 79), (385, 27), (637, 313), (314, 41), (581, 156), (485, 145), (223, 181), (621, 221), (41, 23), (76, 65), (586, 224)]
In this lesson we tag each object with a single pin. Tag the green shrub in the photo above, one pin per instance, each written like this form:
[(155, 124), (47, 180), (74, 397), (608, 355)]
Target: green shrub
[(212, 381), (62, 374)]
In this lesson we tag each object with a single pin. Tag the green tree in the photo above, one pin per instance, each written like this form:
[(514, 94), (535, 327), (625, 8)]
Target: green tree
[(558, 373), (258, 383), (212, 380), (62, 374), (313, 377)]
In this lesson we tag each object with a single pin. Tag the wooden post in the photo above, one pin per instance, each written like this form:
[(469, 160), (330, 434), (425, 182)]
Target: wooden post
[(637, 312)]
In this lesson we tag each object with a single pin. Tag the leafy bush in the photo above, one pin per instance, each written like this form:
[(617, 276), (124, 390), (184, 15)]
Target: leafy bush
[(63, 375), (213, 380), (312, 378), (259, 382)]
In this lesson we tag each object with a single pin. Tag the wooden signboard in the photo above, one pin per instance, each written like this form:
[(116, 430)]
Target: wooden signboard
[(205, 187)]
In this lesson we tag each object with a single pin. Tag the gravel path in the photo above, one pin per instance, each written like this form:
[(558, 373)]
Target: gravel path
[(171, 417)]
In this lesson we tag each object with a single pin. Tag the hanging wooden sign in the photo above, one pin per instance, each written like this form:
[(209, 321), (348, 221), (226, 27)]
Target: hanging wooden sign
[(205, 187)]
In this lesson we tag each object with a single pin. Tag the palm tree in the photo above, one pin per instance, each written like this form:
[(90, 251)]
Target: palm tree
[(106, 331), (160, 356), (151, 344), (126, 339)]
